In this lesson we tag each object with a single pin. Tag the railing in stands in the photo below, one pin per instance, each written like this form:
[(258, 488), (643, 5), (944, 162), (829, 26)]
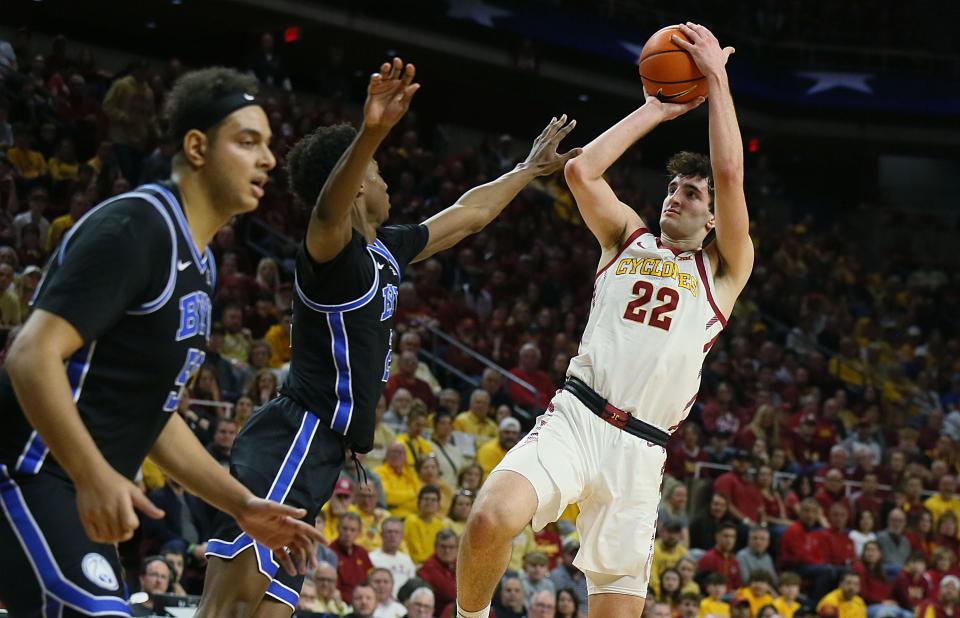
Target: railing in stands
[(226, 405), (450, 340), (849, 487)]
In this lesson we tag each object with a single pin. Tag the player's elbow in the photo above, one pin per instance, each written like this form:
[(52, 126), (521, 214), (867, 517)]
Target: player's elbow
[(23, 355), (574, 171), (729, 173)]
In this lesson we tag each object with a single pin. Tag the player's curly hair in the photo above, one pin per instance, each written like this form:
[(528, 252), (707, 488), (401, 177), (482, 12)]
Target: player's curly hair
[(686, 163), (197, 89), (311, 160)]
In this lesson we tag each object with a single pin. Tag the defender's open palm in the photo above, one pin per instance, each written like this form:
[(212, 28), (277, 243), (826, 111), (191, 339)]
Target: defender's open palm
[(278, 527), (544, 158), (389, 95)]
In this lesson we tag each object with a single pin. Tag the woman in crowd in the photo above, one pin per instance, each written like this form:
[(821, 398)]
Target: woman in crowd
[(263, 388), (863, 531), (875, 588), (567, 604), (470, 477), (428, 468), (460, 509)]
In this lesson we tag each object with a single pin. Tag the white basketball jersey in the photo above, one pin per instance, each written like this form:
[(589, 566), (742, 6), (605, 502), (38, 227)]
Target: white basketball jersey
[(652, 321)]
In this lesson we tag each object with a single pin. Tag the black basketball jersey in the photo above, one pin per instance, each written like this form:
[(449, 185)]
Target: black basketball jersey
[(129, 278), (342, 332)]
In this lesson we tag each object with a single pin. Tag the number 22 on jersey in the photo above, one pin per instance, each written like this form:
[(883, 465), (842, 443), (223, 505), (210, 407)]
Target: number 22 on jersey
[(659, 316)]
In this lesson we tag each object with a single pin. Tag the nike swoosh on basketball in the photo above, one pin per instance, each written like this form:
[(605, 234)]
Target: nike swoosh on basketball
[(668, 97), (182, 266)]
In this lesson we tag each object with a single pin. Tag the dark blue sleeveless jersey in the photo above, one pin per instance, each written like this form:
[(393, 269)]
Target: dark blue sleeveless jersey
[(129, 278), (342, 333)]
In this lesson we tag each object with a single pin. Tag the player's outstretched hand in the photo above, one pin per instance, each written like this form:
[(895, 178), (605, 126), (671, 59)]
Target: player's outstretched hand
[(704, 48), (543, 159), (669, 111), (278, 526), (106, 503), (389, 95)]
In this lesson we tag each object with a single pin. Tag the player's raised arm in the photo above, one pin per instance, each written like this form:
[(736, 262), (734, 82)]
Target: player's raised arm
[(608, 218), (726, 159), (481, 205), (388, 99)]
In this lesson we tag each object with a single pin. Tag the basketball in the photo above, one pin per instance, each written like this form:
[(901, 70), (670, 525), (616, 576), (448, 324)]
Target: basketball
[(668, 72)]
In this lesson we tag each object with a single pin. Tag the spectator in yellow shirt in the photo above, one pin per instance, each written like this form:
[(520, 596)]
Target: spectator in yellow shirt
[(945, 500), (28, 163), (491, 453), (64, 165), (79, 204), (757, 591), (420, 529), (340, 503), (428, 470), (786, 604), (371, 516), (476, 421), (845, 601), (667, 550), (278, 336), (714, 606), (400, 482), (418, 447)]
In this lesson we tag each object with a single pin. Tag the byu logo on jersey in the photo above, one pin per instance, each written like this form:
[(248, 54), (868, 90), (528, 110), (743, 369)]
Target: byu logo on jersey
[(194, 315), (389, 301)]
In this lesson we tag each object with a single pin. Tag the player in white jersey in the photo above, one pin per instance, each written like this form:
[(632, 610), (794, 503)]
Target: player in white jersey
[(658, 305)]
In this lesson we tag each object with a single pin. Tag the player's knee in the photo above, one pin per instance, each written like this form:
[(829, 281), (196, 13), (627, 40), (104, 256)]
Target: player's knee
[(492, 521)]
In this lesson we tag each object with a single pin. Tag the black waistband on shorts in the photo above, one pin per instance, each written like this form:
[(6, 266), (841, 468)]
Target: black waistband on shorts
[(614, 415)]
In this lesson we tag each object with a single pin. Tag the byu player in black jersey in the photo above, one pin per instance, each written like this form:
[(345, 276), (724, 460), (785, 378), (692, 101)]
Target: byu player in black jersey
[(347, 277), (92, 382)]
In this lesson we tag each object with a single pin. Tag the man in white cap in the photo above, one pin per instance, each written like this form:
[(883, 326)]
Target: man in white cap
[(490, 454)]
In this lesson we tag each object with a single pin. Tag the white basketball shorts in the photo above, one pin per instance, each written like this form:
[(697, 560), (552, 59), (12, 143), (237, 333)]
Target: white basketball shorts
[(572, 455)]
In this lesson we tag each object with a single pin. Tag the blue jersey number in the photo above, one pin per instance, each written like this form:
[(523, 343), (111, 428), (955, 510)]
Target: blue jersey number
[(386, 362), (194, 360)]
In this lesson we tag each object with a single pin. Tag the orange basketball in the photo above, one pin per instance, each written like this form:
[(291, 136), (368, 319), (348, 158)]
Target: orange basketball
[(668, 72)]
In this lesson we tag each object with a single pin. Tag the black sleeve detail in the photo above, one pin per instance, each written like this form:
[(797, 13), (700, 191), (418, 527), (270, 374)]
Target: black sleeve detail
[(405, 242), (117, 260)]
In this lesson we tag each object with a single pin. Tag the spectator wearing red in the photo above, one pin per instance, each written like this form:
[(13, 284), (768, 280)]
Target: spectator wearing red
[(802, 450), (832, 492), (440, 569), (943, 564), (921, 532), (353, 562), (946, 533), (839, 458), (867, 499), (912, 585), (683, 455), (947, 603), (835, 540), (913, 496), (874, 586), (721, 558), (529, 371), (741, 492), (802, 551), (405, 377), (721, 412)]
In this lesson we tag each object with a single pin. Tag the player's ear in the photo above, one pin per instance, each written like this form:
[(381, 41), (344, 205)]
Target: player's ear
[(195, 146), (711, 222)]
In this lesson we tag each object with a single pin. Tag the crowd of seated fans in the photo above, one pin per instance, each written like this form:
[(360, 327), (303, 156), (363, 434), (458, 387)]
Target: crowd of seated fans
[(815, 474)]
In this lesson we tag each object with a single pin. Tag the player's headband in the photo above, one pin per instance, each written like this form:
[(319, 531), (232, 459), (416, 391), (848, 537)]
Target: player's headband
[(213, 113)]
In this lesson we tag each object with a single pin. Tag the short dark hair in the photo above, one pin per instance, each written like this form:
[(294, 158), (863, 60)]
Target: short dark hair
[(311, 160), (428, 490), (196, 90), (760, 575), (686, 163)]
